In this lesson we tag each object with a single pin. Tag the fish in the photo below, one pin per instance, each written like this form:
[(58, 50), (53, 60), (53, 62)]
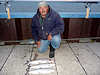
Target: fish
[(42, 66), (41, 71), (40, 61)]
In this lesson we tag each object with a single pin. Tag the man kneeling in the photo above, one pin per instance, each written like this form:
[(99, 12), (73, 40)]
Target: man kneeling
[(47, 27)]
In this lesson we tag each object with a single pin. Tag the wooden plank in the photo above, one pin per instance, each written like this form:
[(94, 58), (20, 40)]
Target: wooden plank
[(88, 59), (16, 62), (7, 30), (95, 47), (74, 28), (26, 28), (66, 62), (4, 53)]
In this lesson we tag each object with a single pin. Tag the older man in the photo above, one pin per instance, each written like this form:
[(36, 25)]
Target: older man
[(47, 26)]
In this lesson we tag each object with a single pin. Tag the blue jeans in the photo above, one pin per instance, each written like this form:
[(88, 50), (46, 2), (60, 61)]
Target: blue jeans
[(55, 42)]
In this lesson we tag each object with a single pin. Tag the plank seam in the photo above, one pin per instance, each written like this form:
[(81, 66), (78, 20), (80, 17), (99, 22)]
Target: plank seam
[(93, 52), (55, 65), (77, 59), (30, 59), (7, 57), (31, 53)]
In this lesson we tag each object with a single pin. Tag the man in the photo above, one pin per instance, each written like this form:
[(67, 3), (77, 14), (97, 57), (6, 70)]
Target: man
[(47, 26)]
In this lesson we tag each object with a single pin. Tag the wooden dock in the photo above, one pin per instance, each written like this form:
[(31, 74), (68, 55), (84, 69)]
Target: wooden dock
[(70, 59)]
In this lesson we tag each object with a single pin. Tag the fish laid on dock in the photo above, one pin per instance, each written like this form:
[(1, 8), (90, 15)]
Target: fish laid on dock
[(41, 61), (41, 71), (42, 66)]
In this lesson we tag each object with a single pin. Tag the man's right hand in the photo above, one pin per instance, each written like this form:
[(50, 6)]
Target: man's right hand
[(38, 44), (49, 37)]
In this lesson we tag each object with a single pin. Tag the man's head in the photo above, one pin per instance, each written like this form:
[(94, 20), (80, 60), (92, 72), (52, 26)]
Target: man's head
[(43, 8)]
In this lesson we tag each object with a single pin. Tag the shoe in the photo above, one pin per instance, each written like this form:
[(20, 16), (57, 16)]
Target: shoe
[(52, 52)]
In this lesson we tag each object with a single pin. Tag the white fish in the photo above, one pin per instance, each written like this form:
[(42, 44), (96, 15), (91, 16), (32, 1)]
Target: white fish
[(42, 66), (41, 61), (41, 71)]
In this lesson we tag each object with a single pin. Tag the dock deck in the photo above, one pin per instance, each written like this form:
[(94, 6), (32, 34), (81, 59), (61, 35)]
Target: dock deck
[(70, 59)]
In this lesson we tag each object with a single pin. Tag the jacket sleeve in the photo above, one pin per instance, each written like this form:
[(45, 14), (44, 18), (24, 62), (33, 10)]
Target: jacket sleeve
[(59, 26), (34, 30)]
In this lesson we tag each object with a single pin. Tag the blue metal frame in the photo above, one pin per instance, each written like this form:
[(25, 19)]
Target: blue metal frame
[(66, 10), (63, 15)]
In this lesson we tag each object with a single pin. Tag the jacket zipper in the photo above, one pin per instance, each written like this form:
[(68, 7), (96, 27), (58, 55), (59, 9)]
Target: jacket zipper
[(42, 27)]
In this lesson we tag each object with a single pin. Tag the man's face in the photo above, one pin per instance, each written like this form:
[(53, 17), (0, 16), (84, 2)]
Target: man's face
[(43, 11)]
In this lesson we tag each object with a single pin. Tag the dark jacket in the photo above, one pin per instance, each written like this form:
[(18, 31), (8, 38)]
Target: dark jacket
[(52, 24)]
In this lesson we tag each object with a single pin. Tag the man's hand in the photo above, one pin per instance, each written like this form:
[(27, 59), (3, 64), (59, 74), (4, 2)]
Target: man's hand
[(49, 37), (38, 44)]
